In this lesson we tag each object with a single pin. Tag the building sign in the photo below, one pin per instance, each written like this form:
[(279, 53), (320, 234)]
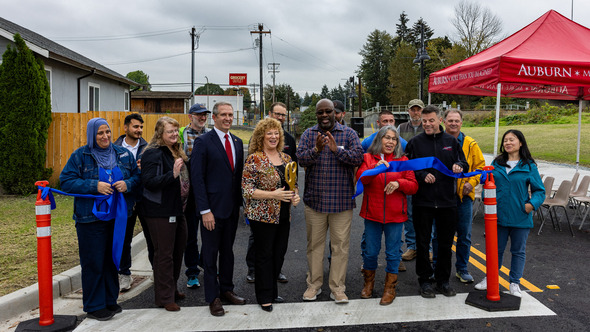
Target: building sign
[(238, 79)]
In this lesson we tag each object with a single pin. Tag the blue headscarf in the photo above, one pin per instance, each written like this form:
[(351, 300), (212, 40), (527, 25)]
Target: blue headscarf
[(106, 157)]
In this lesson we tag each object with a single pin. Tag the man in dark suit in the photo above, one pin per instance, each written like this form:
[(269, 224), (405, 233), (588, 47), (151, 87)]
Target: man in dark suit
[(216, 163)]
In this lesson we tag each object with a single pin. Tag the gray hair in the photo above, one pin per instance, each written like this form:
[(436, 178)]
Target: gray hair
[(221, 103), (453, 110), (377, 146)]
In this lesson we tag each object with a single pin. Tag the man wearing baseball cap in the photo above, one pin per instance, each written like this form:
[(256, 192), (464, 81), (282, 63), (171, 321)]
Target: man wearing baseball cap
[(197, 114), (407, 131), (340, 112)]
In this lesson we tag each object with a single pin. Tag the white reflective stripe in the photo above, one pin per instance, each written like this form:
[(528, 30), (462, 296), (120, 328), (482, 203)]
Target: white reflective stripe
[(489, 193), (43, 209), (490, 209), (44, 231)]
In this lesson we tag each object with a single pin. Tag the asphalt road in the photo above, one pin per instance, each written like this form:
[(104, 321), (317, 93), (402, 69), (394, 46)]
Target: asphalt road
[(553, 258)]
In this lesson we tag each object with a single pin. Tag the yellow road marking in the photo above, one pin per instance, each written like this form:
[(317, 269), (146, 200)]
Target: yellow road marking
[(503, 269)]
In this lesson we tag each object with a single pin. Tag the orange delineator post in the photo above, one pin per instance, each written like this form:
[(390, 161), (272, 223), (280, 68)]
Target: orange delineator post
[(491, 229), (44, 259)]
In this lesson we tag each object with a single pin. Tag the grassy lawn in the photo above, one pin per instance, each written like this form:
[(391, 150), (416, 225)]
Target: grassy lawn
[(552, 142)]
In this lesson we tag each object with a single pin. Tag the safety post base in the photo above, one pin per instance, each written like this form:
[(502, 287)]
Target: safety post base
[(479, 300), (61, 323)]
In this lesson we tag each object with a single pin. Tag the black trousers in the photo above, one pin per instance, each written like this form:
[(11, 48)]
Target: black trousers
[(219, 243), (446, 223), (270, 245)]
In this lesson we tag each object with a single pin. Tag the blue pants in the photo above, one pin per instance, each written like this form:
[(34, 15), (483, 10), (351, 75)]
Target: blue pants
[(100, 281), (393, 242), (518, 237)]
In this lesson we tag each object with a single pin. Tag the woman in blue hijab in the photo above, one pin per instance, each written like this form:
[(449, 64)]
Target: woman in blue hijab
[(100, 168)]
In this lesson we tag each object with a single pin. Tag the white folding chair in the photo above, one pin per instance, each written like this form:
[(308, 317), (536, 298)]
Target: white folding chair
[(561, 199)]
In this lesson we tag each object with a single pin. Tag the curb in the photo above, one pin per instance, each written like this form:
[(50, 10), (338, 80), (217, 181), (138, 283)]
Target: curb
[(27, 299)]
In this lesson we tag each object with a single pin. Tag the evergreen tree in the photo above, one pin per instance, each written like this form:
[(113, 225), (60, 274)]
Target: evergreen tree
[(25, 116), (325, 93), (415, 33), (306, 100), (376, 53), (401, 29), (213, 89), (404, 75)]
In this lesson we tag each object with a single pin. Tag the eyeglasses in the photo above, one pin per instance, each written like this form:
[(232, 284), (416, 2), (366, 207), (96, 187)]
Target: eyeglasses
[(281, 115), (322, 112), (170, 132), (390, 138)]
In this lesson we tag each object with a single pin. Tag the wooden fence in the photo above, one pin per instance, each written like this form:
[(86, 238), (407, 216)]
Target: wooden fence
[(68, 132)]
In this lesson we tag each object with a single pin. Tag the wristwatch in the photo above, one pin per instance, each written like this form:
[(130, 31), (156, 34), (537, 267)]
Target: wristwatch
[(315, 150)]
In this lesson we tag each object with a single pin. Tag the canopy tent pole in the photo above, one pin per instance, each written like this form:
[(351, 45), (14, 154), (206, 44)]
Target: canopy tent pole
[(429, 96), (579, 134), (497, 119)]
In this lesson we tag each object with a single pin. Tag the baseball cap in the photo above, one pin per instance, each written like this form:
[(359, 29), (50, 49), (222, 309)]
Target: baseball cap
[(198, 109), (415, 102), (338, 106)]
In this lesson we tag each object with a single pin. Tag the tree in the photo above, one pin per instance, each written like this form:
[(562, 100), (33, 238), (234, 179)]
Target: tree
[(376, 53), (25, 116), (283, 93), (401, 29), (404, 75), (306, 99), (244, 91), (325, 93), (209, 88), (141, 78), (477, 27), (416, 33)]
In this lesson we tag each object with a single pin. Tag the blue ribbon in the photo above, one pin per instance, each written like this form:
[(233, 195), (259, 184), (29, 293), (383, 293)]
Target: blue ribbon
[(416, 165), (106, 207)]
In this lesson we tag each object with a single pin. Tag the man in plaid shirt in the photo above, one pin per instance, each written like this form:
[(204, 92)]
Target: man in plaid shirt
[(329, 152)]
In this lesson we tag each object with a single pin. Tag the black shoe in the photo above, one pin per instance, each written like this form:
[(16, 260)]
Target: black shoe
[(250, 277), (282, 278), (115, 308), (445, 289), (101, 314), (427, 291), (266, 308), (278, 299)]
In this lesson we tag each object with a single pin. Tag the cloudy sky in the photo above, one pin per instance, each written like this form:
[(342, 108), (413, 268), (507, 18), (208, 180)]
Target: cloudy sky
[(315, 42)]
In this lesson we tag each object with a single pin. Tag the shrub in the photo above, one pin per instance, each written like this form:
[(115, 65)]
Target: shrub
[(25, 116)]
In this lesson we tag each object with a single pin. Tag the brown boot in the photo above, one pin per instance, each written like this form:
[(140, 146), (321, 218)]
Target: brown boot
[(367, 291), (389, 289)]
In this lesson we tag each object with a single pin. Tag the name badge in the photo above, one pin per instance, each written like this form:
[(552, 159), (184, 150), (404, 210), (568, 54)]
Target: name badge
[(172, 219)]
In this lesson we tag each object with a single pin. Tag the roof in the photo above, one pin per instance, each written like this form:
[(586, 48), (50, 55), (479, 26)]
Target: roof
[(55, 51), (160, 95), (548, 59)]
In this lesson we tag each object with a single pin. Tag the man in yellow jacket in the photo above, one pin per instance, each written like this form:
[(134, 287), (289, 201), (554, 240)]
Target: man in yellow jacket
[(453, 120)]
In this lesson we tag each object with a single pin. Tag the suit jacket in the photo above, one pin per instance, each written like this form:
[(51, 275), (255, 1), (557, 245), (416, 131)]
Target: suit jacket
[(215, 186)]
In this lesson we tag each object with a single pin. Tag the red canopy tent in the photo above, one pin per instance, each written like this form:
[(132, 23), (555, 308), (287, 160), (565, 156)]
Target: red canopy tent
[(547, 59)]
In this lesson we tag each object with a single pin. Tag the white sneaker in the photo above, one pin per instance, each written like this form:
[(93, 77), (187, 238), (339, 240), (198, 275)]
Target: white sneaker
[(125, 282), (311, 294), (515, 290), (482, 285), (339, 297)]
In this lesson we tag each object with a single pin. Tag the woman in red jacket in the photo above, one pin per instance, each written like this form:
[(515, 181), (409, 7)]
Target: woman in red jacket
[(384, 209)]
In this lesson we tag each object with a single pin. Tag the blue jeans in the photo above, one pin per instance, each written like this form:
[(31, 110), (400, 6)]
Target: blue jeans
[(518, 237), (409, 232), (393, 242), (464, 221)]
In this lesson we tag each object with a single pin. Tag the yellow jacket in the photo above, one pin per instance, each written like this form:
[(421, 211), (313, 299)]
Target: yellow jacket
[(475, 159)]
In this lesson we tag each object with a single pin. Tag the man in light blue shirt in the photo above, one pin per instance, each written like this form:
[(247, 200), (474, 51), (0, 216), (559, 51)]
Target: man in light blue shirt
[(386, 118)]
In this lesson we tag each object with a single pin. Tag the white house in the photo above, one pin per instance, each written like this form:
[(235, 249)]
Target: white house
[(77, 83)]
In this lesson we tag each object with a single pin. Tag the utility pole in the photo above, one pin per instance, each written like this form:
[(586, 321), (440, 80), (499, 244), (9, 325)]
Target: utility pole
[(194, 45), (260, 32), (360, 97), (274, 70), (254, 93)]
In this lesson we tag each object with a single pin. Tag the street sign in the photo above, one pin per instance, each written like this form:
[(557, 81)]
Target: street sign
[(238, 79)]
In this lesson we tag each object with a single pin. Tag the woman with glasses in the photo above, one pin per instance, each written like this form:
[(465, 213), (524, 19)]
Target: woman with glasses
[(384, 210), (166, 187)]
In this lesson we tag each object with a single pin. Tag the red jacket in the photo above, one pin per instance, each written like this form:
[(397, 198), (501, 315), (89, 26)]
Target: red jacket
[(378, 206)]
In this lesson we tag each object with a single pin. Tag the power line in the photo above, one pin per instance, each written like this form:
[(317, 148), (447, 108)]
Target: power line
[(176, 55)]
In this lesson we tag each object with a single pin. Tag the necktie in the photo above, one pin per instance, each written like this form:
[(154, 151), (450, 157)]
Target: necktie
[(230, 155)]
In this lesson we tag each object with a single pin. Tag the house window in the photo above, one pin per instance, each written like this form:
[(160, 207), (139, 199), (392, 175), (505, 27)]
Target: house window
[(48, 75), (93, 97), (127, 100)]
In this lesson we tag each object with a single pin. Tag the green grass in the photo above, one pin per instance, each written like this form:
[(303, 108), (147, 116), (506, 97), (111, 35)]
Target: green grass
[(550, 142)]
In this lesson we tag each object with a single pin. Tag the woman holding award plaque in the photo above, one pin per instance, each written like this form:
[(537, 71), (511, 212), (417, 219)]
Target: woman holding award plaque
[(269, 188)]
